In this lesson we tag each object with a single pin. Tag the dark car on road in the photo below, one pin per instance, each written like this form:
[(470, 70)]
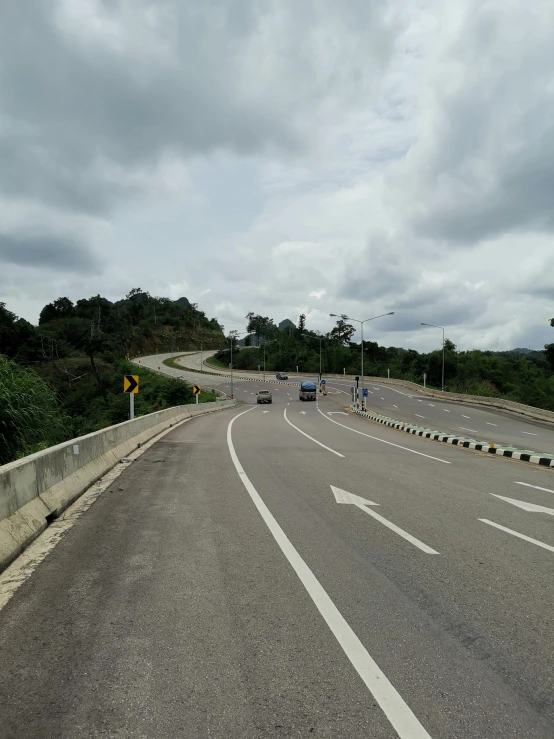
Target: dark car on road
[(282, 376)]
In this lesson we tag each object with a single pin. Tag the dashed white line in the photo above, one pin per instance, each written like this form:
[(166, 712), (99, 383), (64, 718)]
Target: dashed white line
[(395, 406), (391, 702), (473, 431), (444, 409), (529, 433), (465, 416), (417, 414), (382, 397), (516, 533), (527, 485), (432, 405), (491, 424)]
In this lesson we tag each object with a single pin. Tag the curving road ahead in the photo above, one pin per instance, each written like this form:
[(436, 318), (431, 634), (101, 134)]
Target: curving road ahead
[(291, 570)]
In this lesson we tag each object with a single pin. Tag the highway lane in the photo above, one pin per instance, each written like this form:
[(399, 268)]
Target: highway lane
[(170, 608), (474, 421)]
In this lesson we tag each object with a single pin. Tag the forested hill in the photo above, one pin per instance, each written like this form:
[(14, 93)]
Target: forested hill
[(63, 378)]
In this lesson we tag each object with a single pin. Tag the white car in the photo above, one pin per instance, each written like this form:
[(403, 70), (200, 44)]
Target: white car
[(264, 396)]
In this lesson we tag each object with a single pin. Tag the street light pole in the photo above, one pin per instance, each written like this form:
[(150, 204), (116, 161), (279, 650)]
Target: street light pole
[(432, 325), (357, 320)]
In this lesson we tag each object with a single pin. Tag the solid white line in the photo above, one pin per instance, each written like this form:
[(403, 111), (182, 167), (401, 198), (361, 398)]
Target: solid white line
[(417, 414), (516, 533), (391, 702), (465, 416), (529, 433), (527, 485), (473, 431), (491, 424), (393, 527), (310, 437), (376, 438)]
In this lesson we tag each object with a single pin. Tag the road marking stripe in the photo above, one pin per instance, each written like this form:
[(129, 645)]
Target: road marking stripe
[(491, 424), (391, 702), (432, 405), (527, 485), (390, 443), (529, 433), (444, 409), (310, 437), (393, 527), (417, 414), (395, 406), (516, 533), (465, 416), (473, 431)]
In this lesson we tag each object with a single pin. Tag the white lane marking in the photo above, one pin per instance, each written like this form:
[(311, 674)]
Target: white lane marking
[(382, 397), (536, 487), (516, 533), (417, 414), (369, 391), (390, 443), (337, 413), (524, 505), (265, 411), (339, 390), (529, 433), (444, 409), (391, 702), (473, 431), (395, 406), (310, 437), (432, 405), (375, 388), (303, 412), (491, 424), (342, 496), (419, 401), (397, 391), (465, 416)]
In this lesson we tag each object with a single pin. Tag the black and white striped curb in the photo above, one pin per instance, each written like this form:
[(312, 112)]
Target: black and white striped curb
[(547, 460)]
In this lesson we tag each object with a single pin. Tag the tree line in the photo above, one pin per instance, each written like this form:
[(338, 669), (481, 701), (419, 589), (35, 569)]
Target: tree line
[(521, 375)]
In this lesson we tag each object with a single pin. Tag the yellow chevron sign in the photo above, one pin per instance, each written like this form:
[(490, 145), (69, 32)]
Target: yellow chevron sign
[(131, 384)]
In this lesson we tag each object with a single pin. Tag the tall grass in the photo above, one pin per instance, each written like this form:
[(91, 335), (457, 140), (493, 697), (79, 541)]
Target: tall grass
[(30, 419)]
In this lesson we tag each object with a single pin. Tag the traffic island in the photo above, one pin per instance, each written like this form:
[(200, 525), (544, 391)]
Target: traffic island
[(523, 455)]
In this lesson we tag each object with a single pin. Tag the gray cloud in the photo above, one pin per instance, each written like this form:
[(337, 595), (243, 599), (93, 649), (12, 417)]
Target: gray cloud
[(50, 252)]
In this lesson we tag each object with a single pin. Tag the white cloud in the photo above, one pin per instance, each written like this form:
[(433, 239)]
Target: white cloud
[(399, 156)]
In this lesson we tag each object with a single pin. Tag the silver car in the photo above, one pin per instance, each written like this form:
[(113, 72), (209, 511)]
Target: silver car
[(264, 396)]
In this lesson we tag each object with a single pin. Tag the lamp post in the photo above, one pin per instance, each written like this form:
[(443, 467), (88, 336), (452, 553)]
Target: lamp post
[(432, 325), (357, 320), (233, 335)]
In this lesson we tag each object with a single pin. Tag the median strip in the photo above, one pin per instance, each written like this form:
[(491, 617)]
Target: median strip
[(523, 455)]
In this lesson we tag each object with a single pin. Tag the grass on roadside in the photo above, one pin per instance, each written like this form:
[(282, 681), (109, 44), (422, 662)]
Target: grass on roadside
[(213, 362), (206, 396)]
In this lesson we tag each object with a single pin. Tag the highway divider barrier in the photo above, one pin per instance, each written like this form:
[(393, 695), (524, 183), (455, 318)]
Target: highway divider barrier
[(38, 488), (524, 455)]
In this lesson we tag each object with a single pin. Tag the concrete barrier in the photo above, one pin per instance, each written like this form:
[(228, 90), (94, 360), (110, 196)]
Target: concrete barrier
[(37, 488)]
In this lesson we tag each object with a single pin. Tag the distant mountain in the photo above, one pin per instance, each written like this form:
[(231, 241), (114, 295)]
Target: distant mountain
[(185, 302), (287, 322)]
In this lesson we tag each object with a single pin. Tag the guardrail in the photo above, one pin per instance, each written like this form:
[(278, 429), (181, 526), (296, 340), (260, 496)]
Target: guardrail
[(36, 489)]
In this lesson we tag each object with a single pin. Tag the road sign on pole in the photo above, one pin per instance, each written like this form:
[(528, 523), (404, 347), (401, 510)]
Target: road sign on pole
[(131, 388), (196, 390), (323, 382), (131, 384), (365, 392)]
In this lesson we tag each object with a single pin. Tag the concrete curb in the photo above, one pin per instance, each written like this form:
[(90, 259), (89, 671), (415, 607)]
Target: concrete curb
[(38, 488), (546, 460)]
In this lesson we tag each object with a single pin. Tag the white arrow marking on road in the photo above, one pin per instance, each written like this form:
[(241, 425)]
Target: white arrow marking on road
[(337, 413), (516, 533), (342, 496), (536, 487), (531, 507)]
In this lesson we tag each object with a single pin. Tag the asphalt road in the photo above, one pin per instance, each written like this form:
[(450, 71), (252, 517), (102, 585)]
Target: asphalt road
[(219, 589), (472, 421)]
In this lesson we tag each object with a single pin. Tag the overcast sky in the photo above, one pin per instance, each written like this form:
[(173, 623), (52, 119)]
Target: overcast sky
[(360, 156)]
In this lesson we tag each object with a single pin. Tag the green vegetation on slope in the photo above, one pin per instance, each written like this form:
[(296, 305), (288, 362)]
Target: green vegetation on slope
[(65, 377), (523, 377)]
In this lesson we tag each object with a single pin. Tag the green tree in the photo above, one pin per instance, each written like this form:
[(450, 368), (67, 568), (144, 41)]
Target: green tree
[(342, 332)]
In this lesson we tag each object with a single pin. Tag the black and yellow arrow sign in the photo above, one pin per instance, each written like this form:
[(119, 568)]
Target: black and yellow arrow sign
[(196, 389), (131, 384)]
